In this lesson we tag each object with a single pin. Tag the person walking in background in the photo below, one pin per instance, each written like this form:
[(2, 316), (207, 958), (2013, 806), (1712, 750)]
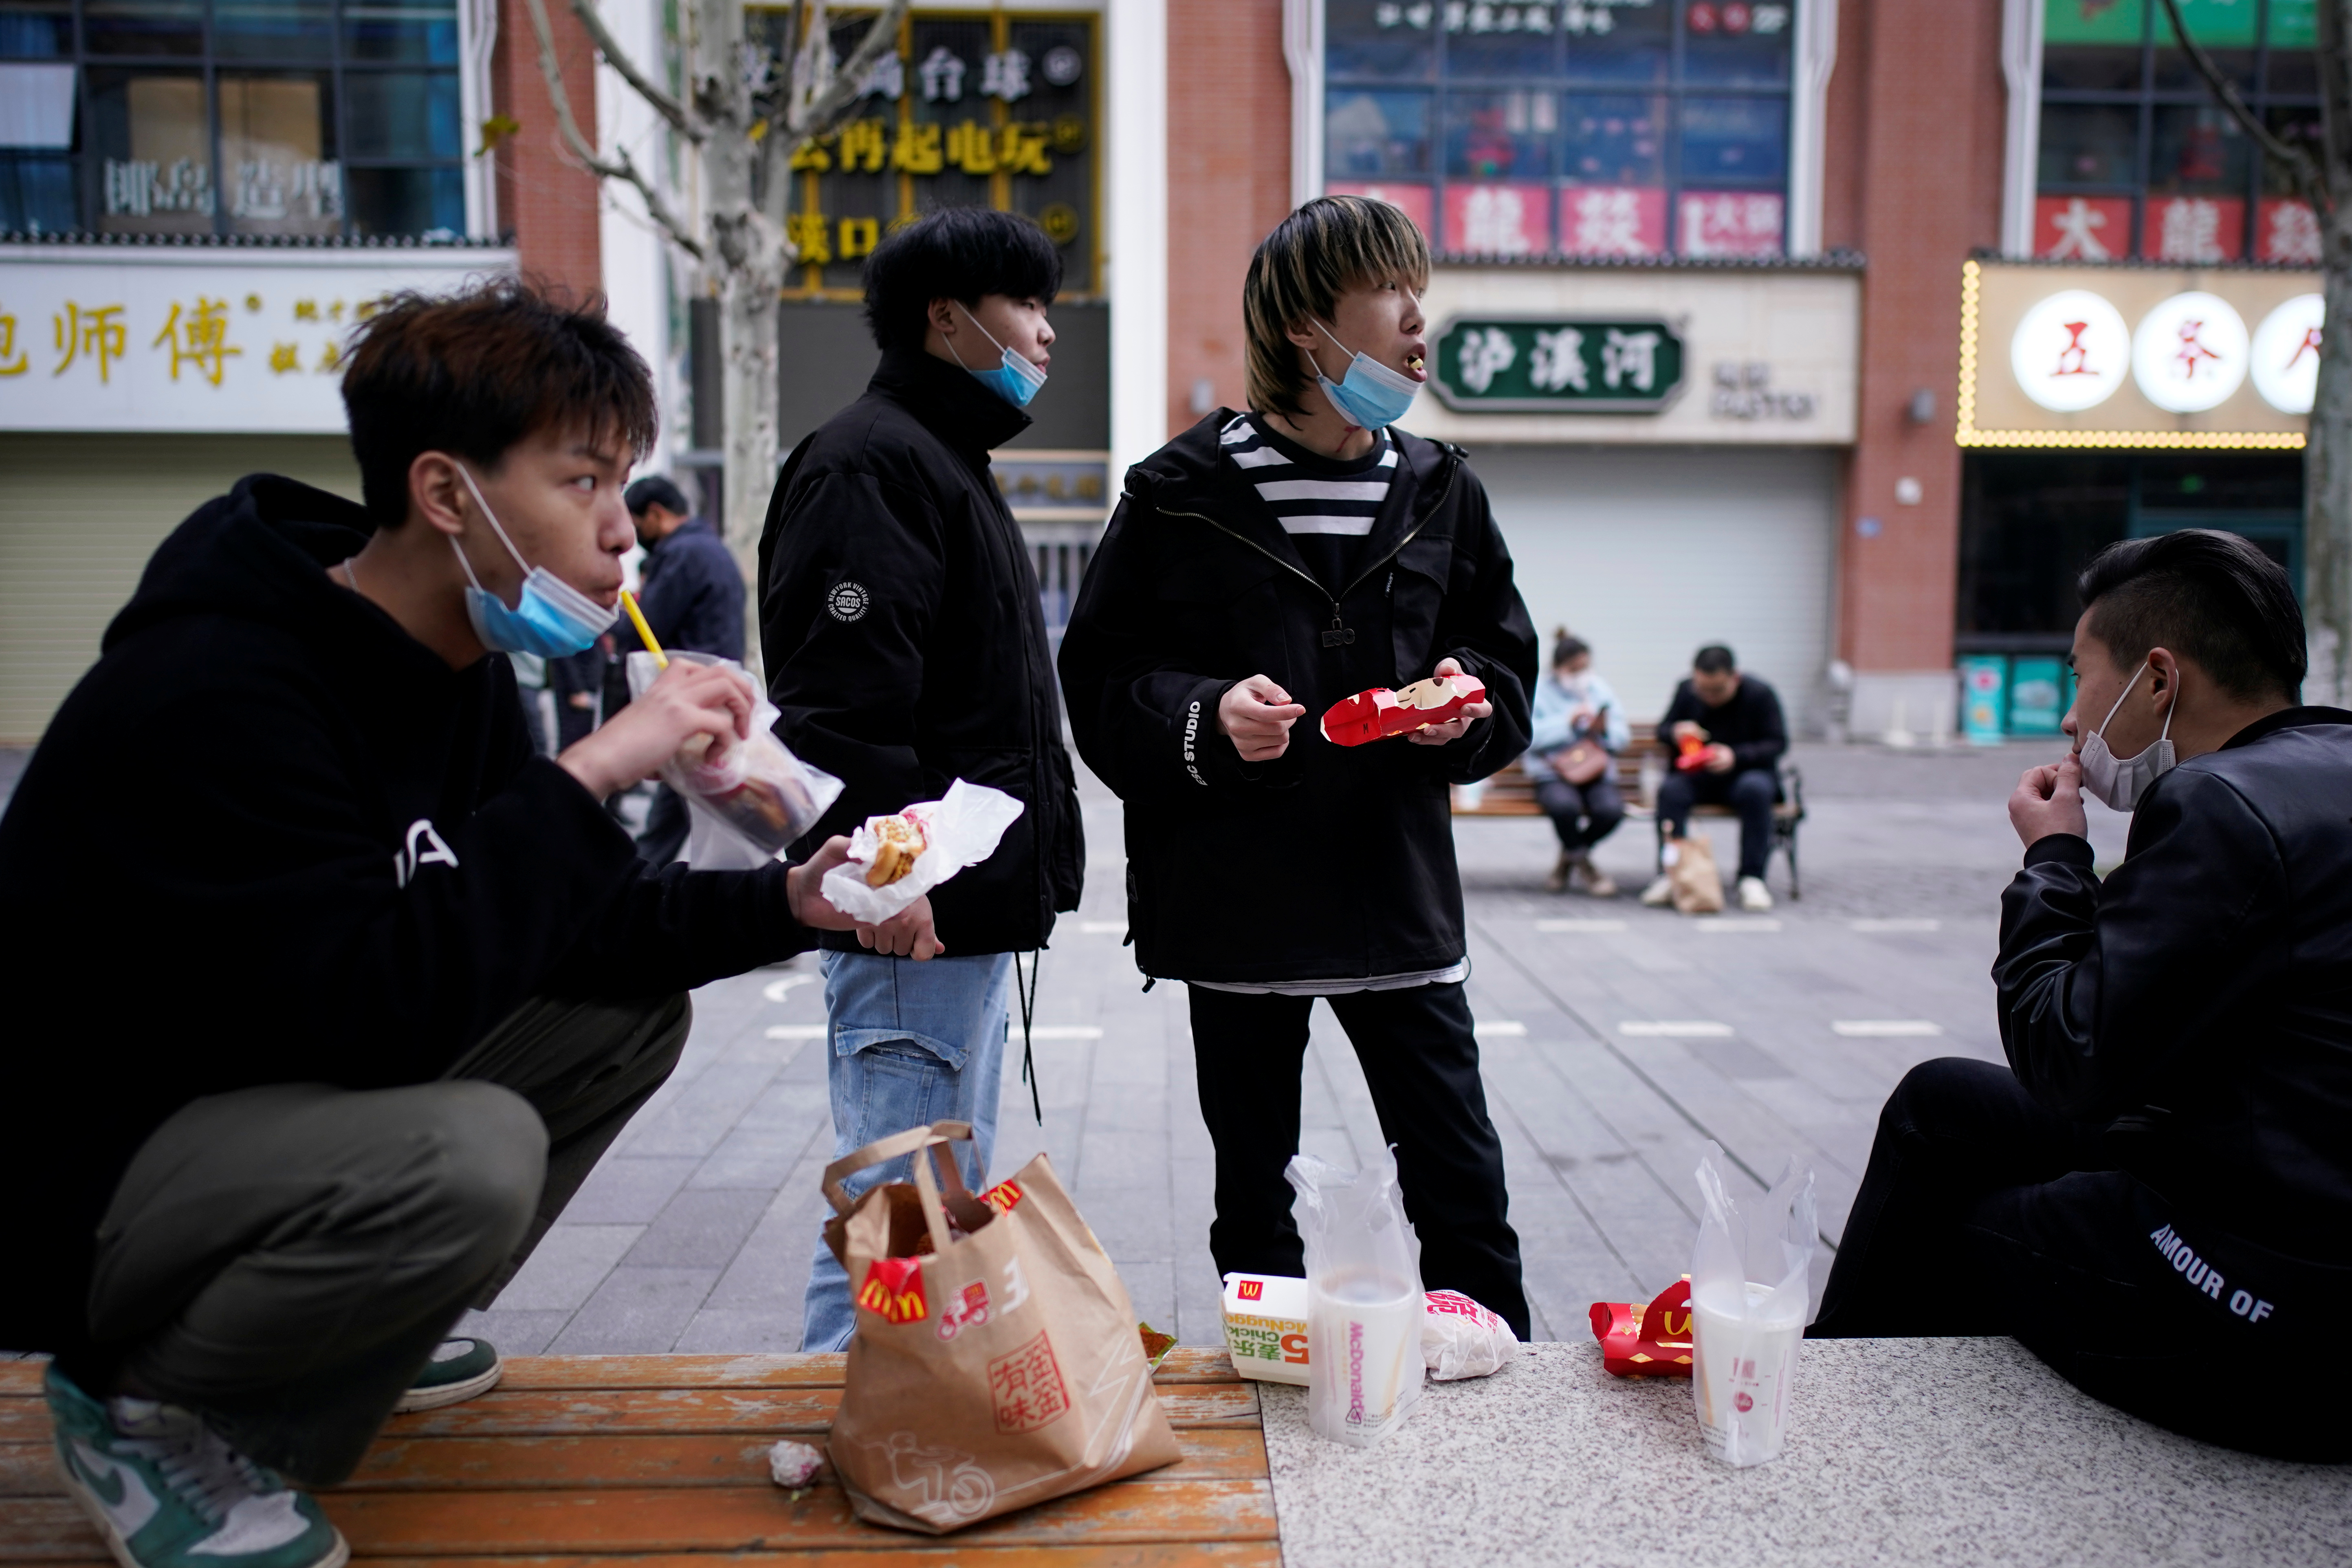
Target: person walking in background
[(1577, 729), (692, 596), (905, 649), (1736, 718), (577, 683)]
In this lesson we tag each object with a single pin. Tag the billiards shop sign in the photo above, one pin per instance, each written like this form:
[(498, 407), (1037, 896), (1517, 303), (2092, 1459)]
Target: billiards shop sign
[(1521, 364)]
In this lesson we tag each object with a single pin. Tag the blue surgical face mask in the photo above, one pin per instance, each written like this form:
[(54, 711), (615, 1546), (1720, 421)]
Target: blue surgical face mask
[(552, 618), (1372, 397), (1013, 378)]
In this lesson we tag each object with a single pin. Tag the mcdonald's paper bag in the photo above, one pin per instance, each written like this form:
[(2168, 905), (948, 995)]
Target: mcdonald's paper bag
[(997, 1361)]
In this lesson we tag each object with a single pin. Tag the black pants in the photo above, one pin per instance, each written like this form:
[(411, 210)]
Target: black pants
[(1582, 814), (283, 1259), (666, 823), (1983, 1213), (1749, 791), (1421, 1065)]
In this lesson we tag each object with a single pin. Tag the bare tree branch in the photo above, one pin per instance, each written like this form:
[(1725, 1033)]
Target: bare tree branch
[(2298, 163), (814, 110), (687, 124), (625, 168)]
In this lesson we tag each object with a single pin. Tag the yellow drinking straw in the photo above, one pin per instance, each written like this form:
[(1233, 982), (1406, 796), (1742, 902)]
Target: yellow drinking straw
[(637, 619)]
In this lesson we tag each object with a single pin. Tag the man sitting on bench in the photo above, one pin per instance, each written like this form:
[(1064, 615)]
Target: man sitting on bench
[(2155, 1195), (1736, 719), (352, 988)]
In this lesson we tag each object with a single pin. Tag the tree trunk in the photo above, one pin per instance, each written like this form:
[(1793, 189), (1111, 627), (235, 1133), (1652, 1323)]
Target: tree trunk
[(2328, 474), (747, 332)]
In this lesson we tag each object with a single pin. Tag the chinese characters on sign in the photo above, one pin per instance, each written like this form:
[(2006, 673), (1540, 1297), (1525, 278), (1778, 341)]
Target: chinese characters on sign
[(2174, 228), (2190, 352), (977, 107), (1556, 367), (1575, 17)]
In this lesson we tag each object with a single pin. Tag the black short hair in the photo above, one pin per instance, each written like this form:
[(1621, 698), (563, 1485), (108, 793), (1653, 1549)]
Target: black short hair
[(955, 253), (653, 490), (476, 372), (1714, 660), (2208, 596), (1566, 646)]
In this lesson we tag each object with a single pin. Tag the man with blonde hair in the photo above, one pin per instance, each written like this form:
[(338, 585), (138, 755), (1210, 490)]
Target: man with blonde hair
[(1261, 567)]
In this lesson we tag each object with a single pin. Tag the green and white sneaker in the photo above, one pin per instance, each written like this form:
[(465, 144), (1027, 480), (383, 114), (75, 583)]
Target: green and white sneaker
[(167, 1492), (459, 1370)]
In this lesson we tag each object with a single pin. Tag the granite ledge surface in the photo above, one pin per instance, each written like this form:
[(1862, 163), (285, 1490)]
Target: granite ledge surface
[(1953, 1451)]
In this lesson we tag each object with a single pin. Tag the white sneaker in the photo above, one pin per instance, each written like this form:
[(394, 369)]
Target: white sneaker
[(1660, 893), (1754, 896)]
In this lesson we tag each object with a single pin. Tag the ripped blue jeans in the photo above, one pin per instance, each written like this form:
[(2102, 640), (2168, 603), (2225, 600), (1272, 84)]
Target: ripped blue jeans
[(911, 1044)]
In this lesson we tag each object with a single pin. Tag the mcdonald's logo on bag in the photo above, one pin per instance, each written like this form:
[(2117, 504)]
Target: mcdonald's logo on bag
[(894, 1291), (1003, 1198)]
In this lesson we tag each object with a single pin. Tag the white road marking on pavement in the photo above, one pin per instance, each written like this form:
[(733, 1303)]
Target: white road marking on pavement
[(1103, 927), (1898, 925), (774, 990), (1498, 1029), (1887, 1029), (796, 1031), (1580, 925), (1674, 1028), (1722, 925), (1066, 1032)]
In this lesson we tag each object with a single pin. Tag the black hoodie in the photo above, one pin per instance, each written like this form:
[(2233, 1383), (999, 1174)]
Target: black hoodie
[(905, 644), (1328, 862), (271, 837)]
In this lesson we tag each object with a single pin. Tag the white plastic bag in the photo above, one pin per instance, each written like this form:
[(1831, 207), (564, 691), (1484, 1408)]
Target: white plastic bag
[(1749, 1300), (1363, 1298), (750, 805), (961, 830), (1461, 1338)]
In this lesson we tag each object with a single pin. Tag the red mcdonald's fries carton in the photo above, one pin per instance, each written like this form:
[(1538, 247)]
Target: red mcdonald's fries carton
[(1644, 1342)]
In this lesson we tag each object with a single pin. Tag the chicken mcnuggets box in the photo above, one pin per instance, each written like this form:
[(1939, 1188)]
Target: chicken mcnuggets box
[(1265, 1327), (1645, 1341)]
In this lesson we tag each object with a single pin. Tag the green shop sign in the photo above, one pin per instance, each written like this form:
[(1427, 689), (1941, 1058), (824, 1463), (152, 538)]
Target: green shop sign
[(1520, 365)]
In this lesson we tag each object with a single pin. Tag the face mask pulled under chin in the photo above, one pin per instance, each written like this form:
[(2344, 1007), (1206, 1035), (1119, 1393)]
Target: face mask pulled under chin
[(1371, 397), (1014, 377), (551, 618), (2121, 782)]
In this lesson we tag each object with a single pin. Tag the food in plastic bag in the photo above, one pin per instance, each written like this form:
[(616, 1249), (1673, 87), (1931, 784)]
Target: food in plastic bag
[(1646, 1342), (1461, 1338), (754, 799), (961, 830), (1748, 1305), (1363, 1298)]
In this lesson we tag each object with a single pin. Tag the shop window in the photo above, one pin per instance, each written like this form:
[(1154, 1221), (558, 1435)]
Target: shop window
[(300, 117), (2136, 159), (1621, 127)]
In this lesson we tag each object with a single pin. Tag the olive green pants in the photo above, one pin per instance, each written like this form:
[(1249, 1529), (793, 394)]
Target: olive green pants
[(284, 1258)]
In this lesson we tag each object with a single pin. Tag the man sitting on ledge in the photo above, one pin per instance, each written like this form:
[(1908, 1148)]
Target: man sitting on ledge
[(352, 988), (2156, 1196)]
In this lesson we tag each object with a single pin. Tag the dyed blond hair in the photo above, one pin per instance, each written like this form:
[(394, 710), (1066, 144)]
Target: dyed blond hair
[(1330, 246)]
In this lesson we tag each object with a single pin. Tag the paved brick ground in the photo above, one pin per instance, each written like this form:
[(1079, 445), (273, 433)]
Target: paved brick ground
[(693, 1234)]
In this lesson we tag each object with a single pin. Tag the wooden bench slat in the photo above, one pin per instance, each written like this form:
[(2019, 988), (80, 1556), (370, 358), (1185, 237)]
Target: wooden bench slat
[(913, 1551), (48, 1530), (20, 1377), (734, 1518), (782, 1412), (1185, 1363)]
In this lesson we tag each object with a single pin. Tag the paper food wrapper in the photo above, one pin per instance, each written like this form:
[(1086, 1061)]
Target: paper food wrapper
[(1646, 1342), (750, 805), (961, 830)]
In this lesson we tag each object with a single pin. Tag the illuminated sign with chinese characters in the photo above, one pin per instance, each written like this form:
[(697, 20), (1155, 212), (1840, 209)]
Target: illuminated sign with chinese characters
[(1558, 366), (974, 108), (2136, 356), (142, 340)]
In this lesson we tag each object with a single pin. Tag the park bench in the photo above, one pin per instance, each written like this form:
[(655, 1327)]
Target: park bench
[(1640, 766), (653, 1458)]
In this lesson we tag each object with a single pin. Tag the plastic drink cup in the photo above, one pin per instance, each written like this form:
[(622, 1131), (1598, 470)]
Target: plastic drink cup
[(1363, 1338), (1742, 1374)]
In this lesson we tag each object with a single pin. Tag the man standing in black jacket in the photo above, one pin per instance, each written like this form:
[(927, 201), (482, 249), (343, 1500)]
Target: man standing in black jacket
[(1736, 720), (1261, 567), (691, 594), (398, 981), (905, 649), (2156, 1194)]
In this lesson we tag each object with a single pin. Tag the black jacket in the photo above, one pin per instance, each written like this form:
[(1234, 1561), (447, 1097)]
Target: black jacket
[(271, 837), (2199, 999), (1328, 862), (693, 594), (1750, 724), (905, 644)]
